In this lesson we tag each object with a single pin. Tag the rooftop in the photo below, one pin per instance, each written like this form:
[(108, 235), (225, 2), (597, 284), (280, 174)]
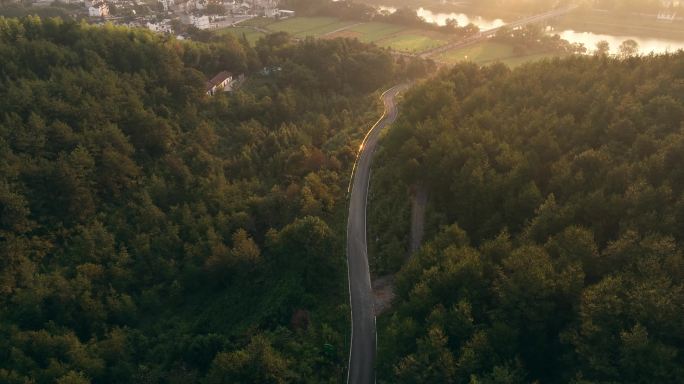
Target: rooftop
[(218, 79)]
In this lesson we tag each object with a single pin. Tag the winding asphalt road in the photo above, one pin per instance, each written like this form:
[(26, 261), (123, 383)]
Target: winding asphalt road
[(363, 338)]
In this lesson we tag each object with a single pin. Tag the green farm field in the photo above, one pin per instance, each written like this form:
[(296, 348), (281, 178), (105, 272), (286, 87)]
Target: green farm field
[(478, 53), (397, 37), (411, 42), (257, 22), (252, 35), (308, 26), (490, 52), (374, 31)]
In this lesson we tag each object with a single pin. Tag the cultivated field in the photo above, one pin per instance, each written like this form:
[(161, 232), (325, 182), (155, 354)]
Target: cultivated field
[(478, 53), (257, 22), (308, 26), (252, 35), (373, 32), (396, 37), (411, 42)]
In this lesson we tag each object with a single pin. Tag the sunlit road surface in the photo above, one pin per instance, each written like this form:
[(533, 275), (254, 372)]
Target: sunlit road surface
[(363, 338)]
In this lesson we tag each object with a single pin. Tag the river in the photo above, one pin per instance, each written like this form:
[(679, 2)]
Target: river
[(440, 18), (646, 45)]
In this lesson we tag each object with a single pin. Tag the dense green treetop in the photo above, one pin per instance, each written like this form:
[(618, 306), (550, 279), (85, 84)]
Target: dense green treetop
[(555, 224), (151, 233)]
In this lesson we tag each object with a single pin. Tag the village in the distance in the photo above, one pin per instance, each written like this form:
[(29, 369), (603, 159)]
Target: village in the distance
[(171, 16)]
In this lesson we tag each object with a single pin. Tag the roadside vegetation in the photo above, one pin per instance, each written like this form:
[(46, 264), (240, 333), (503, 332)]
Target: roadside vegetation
[(555, 224)]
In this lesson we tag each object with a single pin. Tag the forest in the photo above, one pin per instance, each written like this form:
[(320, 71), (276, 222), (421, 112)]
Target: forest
[(554, 227), (150, 233)]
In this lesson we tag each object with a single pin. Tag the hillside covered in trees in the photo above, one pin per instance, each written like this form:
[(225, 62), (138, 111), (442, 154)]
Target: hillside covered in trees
[(555, 225), (152, 234)]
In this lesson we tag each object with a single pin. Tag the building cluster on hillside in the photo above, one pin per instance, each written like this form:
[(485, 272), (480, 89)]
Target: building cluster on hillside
[(162, 16), (232, 9), (97, 8)]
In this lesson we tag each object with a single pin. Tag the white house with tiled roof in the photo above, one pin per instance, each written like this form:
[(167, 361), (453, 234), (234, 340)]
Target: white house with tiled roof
[(221, 82)]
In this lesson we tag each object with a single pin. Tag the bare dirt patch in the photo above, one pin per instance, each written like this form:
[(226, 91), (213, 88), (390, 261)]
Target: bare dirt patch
[(418, 203), (383, 293)]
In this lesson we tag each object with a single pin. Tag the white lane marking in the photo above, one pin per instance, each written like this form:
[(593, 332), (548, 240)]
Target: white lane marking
[(351, 342)]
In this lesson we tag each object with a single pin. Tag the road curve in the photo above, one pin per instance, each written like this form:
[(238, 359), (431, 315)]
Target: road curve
[(363, 338)]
